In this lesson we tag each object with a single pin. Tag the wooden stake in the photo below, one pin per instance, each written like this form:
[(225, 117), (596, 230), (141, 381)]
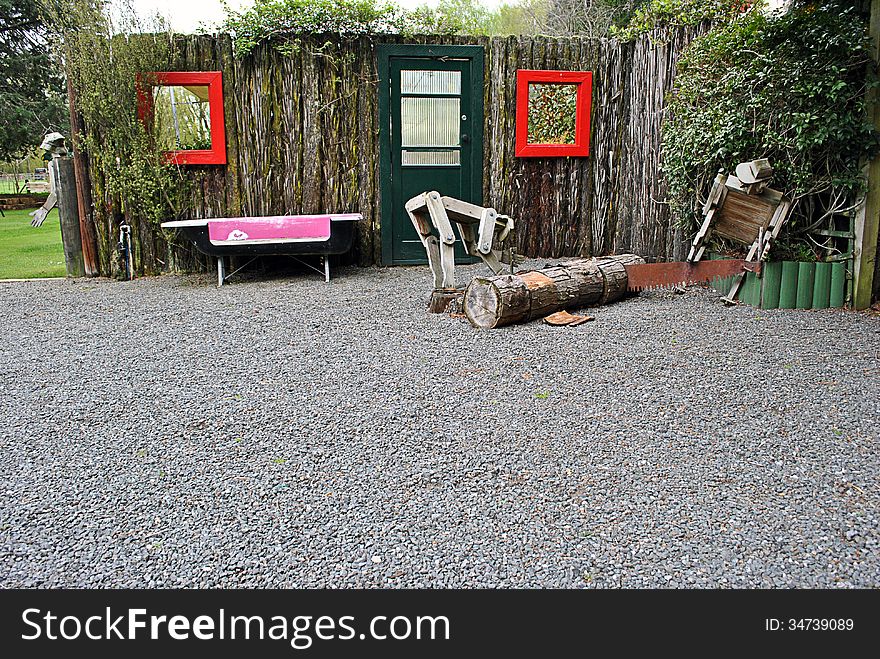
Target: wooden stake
[(867, 224), (69, 216), (83, 191)]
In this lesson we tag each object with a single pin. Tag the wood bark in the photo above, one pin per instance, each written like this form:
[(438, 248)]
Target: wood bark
[(442, 299), (83, 190), (68, 214), (507, 299)]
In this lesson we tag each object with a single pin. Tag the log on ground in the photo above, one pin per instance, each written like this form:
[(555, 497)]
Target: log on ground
[(507, 299)]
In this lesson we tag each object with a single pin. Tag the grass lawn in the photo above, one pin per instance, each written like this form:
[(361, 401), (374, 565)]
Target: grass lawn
[(7, 186), (26, 251)]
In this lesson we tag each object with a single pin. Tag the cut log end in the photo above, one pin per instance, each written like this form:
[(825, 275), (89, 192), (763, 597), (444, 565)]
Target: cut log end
[(482, 302)]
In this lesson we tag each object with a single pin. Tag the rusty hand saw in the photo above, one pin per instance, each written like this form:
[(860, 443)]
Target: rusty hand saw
[(681, 273)]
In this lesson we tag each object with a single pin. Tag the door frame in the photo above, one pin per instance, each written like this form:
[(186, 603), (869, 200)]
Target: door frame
[(384, 53)]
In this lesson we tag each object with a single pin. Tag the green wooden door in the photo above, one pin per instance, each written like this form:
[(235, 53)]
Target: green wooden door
[(434, 139)]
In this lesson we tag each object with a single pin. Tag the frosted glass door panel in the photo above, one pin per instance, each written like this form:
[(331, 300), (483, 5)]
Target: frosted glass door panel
[(430, 121), (449, 157), (430, 82)]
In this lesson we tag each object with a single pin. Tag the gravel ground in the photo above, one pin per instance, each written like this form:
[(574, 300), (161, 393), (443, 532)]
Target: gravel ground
[(287, 433)]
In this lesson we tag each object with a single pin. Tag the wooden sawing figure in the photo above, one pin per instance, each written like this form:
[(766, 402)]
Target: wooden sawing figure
[(482, 230), (743, 209)]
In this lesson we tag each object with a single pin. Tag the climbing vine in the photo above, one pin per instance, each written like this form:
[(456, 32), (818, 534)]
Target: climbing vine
[(789, 87), (102, 58)]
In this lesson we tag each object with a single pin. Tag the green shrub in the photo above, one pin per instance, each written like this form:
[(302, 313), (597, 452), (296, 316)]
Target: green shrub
[(680, 13), (789, 87), (268, 19)]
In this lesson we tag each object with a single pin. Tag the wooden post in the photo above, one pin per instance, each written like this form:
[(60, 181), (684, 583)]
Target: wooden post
[(68, 213), (867, 224), (83, 190)]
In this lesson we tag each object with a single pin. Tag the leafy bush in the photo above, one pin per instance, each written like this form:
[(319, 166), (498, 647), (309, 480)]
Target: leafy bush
[(679, 13), (32, 100), (791, 88), (452, 17), (271, 18)]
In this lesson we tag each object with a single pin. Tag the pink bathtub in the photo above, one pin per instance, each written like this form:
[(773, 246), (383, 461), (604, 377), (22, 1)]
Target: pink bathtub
[(291, 235)]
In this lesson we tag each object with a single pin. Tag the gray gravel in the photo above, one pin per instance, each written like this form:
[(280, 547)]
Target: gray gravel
[(283, 432)]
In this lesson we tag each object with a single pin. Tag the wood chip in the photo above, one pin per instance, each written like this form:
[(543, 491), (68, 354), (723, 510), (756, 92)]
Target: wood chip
[(564, 318)]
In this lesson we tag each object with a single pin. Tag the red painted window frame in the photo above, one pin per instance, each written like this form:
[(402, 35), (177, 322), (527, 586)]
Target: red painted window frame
[(216, 155), (583, 105)]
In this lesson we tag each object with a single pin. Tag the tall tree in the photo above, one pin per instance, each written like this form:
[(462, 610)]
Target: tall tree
[(453, 17), (590, 18), (31, 88)]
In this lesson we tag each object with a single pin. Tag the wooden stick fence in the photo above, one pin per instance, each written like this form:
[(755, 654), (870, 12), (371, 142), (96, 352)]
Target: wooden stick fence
[(302, 137)]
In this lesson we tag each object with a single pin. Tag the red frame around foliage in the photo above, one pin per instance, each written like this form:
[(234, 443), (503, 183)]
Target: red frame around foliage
[(583, 104), (216, 155)]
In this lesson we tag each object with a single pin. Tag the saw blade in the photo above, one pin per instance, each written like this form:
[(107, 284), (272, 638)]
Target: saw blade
[(646, 276)]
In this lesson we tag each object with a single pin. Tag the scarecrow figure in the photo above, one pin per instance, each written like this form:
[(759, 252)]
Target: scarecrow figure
[(53, 147)]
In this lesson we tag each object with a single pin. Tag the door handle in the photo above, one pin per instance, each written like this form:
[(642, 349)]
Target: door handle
[(465, 138)]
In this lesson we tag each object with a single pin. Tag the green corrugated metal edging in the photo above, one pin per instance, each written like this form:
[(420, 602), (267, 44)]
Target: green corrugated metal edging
[(790, 285)]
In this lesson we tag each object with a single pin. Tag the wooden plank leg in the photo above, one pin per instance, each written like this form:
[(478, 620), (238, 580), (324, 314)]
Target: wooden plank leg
[(439, 218), (697, 246), (447, 263), (468, 239), (493, 262), (420, 222), (221, 271), (487, 228), (490, 258), (430, 242), (775, 226), (730, 298), (432, 247), (326, 269)]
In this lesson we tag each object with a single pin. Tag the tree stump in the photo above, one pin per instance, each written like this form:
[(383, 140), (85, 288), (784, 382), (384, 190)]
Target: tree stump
[(507, 299), (442, 298)]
